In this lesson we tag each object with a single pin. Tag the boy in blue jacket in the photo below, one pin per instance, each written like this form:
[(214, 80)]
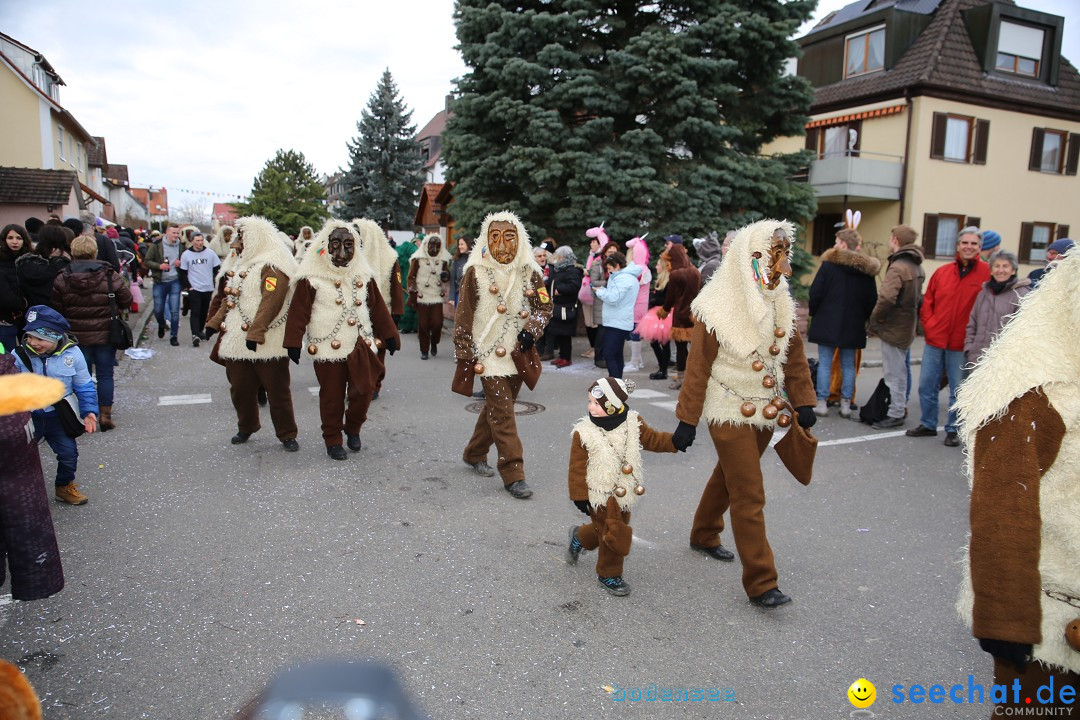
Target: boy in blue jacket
[(52, 353)]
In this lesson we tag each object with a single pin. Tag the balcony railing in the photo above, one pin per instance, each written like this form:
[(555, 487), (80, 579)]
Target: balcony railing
[(857, 175)]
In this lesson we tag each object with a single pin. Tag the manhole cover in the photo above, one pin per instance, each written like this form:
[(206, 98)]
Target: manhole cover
[(521, 407)]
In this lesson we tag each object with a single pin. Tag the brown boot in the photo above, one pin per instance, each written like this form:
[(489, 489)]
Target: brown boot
[(106, 418)]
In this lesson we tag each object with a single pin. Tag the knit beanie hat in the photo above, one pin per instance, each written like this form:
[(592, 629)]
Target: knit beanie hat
[(674, 239), (990, 239), (1061, 246), (611, 393)]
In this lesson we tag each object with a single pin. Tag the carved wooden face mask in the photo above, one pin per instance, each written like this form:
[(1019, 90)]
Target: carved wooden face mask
[(502, 240), (778, 259), (433, 246), (341, 247)]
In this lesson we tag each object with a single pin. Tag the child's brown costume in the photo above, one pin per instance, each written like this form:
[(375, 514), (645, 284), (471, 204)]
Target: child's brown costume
[(598, 458), (429, 278)]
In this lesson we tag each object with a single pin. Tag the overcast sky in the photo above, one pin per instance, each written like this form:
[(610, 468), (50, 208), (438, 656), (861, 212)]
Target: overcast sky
[(199, 94)]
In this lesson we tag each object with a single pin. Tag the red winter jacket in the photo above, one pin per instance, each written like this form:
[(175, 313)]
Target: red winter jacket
[(947, 303)]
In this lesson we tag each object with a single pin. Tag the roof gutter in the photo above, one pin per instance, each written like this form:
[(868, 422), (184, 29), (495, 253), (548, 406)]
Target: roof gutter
[(907, 157)]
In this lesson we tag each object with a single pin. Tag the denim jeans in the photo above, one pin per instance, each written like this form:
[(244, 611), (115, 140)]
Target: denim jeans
[(47, 425), (167, 292), (824, 371), (103, 357), (612, 350), (936, 360)]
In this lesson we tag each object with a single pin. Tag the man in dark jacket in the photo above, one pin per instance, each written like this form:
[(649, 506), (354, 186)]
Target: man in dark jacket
[(842, 297), (946, 308), (895, 316)]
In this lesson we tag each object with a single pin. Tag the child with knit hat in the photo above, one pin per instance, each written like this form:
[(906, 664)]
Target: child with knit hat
[(606, 476)]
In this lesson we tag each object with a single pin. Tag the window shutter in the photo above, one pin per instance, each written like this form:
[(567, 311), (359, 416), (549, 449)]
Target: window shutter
[(972, 220), (1073, 157), (929, 234), (1062, 231), (1035, 162), (1026, 231), (812, 140), (937, 136), (982, 137)]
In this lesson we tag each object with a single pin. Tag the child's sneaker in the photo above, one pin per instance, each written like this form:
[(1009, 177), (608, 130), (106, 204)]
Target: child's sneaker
[(615, 585), (575, 548)]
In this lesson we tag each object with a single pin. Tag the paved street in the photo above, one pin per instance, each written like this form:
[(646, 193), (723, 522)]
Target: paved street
[(199, 568)]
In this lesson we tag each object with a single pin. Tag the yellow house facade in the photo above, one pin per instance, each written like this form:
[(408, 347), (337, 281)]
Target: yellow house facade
[(931, 113)]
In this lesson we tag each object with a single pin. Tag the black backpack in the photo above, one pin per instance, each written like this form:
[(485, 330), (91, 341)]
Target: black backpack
[(877, 407)]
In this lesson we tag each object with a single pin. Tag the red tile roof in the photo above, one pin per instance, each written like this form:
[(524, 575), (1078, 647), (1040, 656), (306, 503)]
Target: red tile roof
[(434, 127), (224, 213)]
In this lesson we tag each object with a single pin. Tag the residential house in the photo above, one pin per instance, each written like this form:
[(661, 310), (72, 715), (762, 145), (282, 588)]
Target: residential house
[(334, 185), (31, 192), (940, 114), (156, 201), (222, 214), (430, 140), (432, 214), (129, 210)]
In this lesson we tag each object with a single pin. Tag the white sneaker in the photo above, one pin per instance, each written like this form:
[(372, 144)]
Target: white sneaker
[(822, 409), (845, 408), (631, 367)]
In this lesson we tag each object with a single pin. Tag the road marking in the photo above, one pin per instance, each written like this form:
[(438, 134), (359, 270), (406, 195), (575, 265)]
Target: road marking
[(666, 405), (646, 393), (847, 441), (200, 399), (314, 390)]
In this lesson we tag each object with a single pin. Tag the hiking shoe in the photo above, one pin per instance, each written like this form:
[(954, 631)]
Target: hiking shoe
[(337, 452), (771, 599), (174, 341), (240, 438), (921, 431), (434, 350), (658, 375), (821, 409), (290, 445), (520, 490), (615, 585), (353, 441), (887, 423), (575, 548), (70, 494), (482, 468), (952, 439)]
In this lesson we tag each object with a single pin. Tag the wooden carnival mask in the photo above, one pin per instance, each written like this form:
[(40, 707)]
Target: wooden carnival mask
[(502, 241), (341, 246)]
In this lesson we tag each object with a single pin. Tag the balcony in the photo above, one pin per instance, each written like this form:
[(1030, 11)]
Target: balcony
[(857, 176)]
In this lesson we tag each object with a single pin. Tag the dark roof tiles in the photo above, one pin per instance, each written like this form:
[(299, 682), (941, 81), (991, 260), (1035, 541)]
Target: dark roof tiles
[(33, 186)]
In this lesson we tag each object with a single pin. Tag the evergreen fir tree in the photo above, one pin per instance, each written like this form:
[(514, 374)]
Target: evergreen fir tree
[(384, 177), (649, 116), (288, 193)]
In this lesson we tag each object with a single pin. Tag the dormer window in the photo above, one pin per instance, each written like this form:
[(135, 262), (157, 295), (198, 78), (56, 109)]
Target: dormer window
[(1020, 48), (865, 52)]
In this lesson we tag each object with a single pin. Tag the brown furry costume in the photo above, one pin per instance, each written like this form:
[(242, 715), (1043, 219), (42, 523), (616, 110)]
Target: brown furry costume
[(428, 282), (383, 261)]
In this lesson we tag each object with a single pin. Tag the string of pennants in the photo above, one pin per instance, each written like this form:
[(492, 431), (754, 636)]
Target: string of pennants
[(207, 193)]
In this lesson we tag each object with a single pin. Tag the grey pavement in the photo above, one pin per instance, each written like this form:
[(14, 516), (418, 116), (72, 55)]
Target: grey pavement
[(198, 568)]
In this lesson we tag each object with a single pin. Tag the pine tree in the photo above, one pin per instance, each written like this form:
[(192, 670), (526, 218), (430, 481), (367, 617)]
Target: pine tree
[(384, 177), (649, 116), (287, 192)]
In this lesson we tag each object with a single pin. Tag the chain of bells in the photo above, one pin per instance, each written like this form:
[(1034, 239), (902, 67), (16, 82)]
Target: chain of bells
[(627, 469), (770, 410), (499, 348), (232, 295), (434, 271), (347, 317), (1072, 629)]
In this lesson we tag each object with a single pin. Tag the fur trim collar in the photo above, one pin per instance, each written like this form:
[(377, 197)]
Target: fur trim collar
[(608, 450), (849, 258), (261, 244), (316, 262), (422, 254), (733, 306), (524, 258)]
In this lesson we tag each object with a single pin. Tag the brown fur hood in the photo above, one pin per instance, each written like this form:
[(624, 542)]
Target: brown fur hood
[(849, 258)]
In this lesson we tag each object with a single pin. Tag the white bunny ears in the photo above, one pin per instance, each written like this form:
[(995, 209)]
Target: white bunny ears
[(853, 219)]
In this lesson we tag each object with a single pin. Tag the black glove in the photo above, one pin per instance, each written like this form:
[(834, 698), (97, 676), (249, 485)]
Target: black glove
[(208, 331), (683, 437), (251, 345), (396, 318), (807, 416), (444, 276), (390, 345), (1011, 652), (294, 355), (525, 340), (583, 506)]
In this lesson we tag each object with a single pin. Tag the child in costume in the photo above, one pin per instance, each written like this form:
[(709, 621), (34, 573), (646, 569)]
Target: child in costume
[(605, 477)]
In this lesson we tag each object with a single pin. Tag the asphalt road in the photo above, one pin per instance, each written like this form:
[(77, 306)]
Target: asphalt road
[(199, 568)]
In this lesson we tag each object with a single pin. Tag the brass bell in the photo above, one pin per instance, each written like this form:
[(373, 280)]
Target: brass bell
[(523, 314), (779, 332), (351, 320), (228, 291), (639, 490), (627, 469), (339, 301), (768, 381), (769, 411), (230, 273), (312, 349), (378, 343), (774, 349), (529, 293), (1072, 634), (230, 303), (748, 409), (337, 283), (494, 289), (783, 420), (442, 293), (427, 284), (359, 283), (777, 401), (335, 344), (419, 295), (500, 351), (243, 274), (620, 492), (758, 366), (244, 326), (358, 302), (501, 309), (478, 368)]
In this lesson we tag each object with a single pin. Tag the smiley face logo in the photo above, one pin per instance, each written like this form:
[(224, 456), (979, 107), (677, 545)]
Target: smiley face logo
[(862, 693)]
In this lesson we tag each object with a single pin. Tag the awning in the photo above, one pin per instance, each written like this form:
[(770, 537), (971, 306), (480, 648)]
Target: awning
[(844, 119)]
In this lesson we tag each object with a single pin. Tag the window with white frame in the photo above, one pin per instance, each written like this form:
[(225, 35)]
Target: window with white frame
[(1020, 49), (864, 52), (1054, 151), (940, 233), (959, 138), (60, 139)]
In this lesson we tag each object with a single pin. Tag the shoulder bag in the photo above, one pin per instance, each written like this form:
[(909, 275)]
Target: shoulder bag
[(119, 331)]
